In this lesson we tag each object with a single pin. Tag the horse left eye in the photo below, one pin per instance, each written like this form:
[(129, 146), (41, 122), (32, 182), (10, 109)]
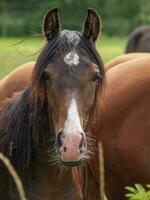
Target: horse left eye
[(96, 77)]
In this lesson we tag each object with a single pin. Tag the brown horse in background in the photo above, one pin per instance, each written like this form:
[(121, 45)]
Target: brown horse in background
[(16, 81), (44, 129), (139, 40), (123, 126)]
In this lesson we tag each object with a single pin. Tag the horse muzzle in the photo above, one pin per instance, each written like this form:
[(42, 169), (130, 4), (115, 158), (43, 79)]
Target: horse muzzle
[(71, 148)]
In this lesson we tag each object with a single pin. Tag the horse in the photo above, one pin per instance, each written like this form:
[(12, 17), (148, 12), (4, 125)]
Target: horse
[(139, 40), (123, 124), (16, 81), (45, 128)]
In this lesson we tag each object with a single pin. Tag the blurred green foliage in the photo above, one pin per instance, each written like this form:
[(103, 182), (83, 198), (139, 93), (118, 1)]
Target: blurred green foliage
[(138, 192), (19, 17)]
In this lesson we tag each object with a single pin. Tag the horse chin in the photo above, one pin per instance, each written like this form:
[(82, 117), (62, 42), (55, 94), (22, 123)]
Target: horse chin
[(72, 164)]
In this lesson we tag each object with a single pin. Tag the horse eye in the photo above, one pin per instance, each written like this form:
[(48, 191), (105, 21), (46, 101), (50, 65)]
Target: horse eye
[(46, 77), (96, 77)]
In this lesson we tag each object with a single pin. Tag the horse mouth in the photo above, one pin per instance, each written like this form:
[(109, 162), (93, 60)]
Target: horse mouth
[(71, 164)]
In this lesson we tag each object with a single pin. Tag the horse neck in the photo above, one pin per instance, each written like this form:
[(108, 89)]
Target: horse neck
[(89, 185), (47, 182)]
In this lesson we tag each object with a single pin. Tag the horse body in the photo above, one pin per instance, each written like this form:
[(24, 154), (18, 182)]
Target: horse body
[(123, 126)]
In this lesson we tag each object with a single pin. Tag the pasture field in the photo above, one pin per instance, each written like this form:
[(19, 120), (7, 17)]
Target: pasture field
[(16, 51)]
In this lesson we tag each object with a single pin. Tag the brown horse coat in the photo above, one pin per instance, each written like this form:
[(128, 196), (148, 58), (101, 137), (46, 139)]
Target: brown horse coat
[(123, 126), (16, 80)]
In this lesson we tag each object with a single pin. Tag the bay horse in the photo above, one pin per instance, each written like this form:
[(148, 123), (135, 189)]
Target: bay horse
[(44, 129), (139, 40)]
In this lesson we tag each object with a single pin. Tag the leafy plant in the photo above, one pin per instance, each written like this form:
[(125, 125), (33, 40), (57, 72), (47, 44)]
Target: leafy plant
[(138, 192)]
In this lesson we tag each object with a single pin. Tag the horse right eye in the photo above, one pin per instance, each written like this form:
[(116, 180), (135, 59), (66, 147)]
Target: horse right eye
[(47, 77)]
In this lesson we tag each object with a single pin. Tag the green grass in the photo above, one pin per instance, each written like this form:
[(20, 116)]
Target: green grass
[(111, 47), (13, 52)]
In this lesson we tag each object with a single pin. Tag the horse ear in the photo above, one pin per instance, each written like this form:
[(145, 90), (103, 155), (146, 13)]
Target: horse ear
[(51, 24), (91, 28)]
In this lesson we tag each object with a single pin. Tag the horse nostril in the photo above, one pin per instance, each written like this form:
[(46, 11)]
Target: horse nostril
[(59, 143), (65, 149), (82, 143), (81, 151)]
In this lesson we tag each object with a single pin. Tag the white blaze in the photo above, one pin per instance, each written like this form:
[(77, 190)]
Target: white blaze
[(71, 58), (72, 123)]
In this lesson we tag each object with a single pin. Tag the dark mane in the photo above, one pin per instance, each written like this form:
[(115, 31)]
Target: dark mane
[(24, 120)]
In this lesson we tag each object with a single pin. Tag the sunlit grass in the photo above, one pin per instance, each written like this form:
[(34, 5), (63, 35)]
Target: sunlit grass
[(13, 52)]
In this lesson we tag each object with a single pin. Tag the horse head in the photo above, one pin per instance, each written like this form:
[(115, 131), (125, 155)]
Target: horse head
[(70, 70)]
